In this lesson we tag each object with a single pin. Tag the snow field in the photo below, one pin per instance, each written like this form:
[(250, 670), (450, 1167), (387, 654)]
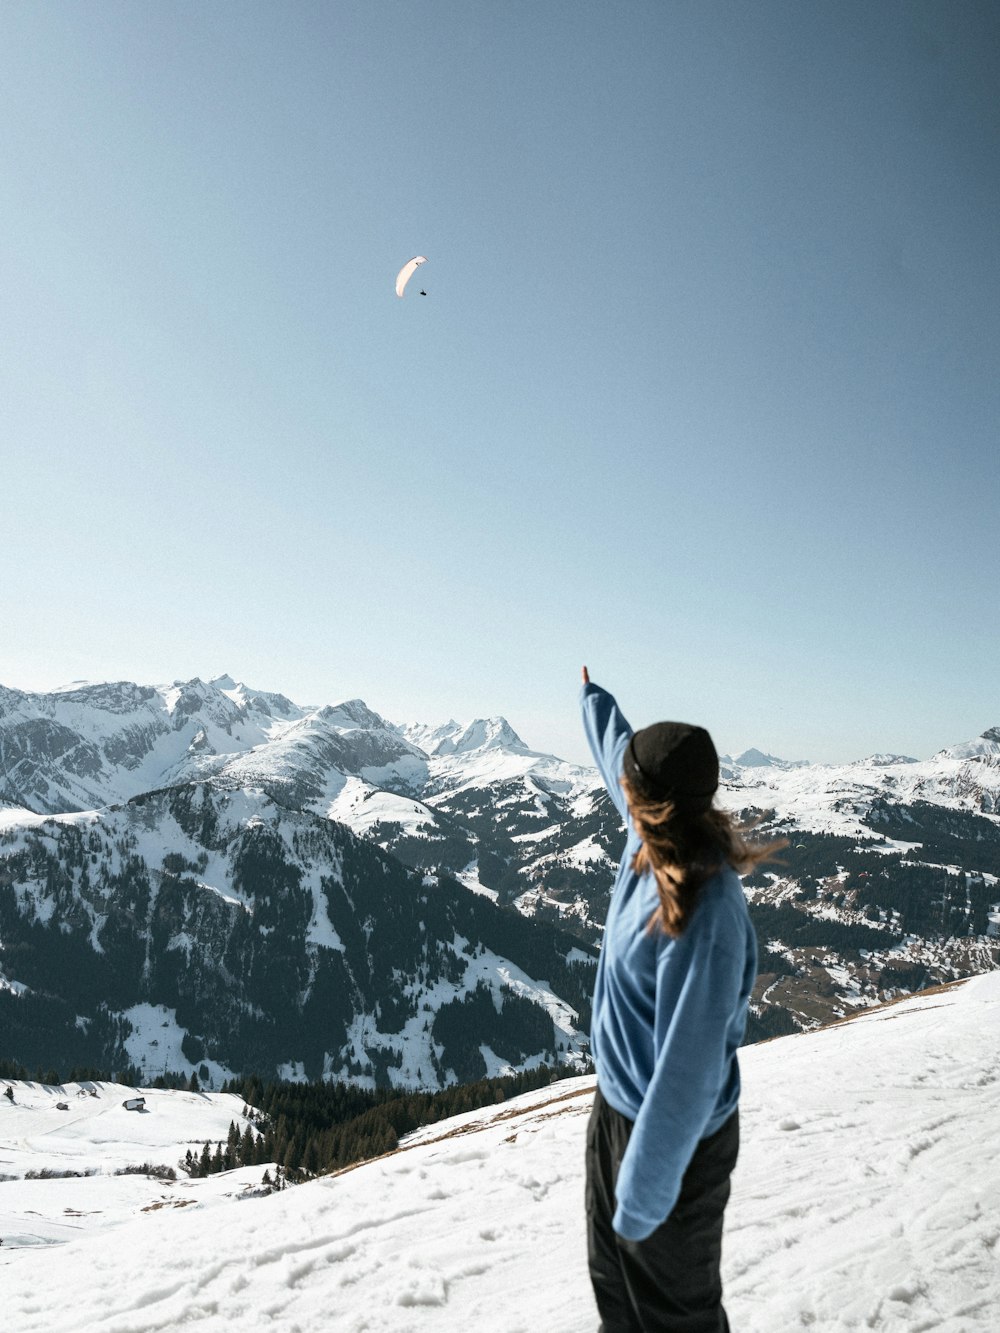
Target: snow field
[(865, 1198), (865, 1194), (96, 1137)]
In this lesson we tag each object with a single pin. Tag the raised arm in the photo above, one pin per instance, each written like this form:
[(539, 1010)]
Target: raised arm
[(607, 734)]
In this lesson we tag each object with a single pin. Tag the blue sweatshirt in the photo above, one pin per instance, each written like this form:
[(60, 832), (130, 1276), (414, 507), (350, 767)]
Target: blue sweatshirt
[(669, 1013)]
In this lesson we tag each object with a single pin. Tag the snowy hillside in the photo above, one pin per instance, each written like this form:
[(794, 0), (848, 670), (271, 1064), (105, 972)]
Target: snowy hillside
[(865, 1198), (85, 1149), (213, 929)]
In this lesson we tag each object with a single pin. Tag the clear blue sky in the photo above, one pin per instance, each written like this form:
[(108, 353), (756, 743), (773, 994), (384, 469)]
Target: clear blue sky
[(704, 392)]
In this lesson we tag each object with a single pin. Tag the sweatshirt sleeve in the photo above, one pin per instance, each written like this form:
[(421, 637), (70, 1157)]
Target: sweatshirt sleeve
[(607, 733), (696, 995)]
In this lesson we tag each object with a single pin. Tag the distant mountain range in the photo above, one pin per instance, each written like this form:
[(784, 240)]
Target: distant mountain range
[(208, 876)]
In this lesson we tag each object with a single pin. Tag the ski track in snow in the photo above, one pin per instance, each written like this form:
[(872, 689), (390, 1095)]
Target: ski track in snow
[(865, 1198)]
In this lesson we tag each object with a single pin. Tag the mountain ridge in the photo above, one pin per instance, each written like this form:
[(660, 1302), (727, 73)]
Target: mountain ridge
[(224, 718)]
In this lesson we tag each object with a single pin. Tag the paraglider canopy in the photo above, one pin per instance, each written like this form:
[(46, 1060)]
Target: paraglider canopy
[(406, 273)]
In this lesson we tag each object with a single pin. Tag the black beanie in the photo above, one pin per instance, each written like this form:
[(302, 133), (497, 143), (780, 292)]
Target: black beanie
[(673, 761)]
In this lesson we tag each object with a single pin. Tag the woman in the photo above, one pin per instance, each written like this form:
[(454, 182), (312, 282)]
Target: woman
[(677, 965)]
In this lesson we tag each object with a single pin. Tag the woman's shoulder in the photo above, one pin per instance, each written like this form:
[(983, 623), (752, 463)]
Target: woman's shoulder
[(722, 905)]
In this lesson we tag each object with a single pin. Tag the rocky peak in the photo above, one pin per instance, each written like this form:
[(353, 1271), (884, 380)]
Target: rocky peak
[(488, 733)]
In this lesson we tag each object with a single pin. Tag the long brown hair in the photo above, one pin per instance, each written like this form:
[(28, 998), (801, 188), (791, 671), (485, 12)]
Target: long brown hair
[(682, 849)]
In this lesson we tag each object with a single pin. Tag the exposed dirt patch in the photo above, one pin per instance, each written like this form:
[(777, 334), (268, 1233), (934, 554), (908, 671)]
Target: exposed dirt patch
[(540, 1109)]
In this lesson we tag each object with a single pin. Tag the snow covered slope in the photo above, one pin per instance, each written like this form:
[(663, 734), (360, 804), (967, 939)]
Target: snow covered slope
[(200, 927), (84, 1148), (865, 1198)]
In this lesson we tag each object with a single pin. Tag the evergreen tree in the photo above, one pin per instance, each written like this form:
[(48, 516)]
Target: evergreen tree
[(293, 1156)]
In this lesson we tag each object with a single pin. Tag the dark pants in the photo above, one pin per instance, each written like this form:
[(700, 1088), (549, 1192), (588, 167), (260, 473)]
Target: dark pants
[(669, 1282)]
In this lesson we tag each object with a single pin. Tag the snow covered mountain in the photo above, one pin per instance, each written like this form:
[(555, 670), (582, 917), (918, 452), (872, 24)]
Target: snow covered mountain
[(270, 939), (962, 777), (864, 1198), (89, 746), (890, 880), (758, 759), (493, 733)]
